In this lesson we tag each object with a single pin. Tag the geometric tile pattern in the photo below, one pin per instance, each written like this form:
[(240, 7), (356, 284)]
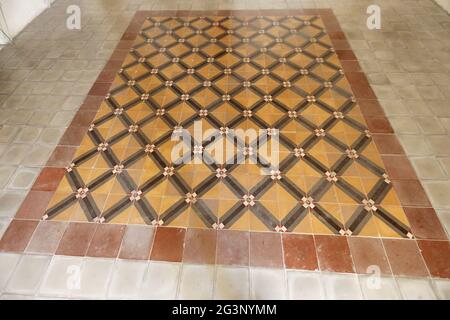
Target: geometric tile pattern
[(229, 73)]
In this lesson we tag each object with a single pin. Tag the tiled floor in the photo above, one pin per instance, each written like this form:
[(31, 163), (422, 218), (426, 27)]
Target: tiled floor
[(43, 277), (346, 198), (229, 74)]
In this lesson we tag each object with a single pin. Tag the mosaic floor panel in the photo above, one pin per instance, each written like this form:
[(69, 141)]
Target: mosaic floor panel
[(277, 75)]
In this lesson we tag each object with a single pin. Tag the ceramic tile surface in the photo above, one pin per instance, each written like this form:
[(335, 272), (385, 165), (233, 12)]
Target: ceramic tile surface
[(343, 203), (278, 75)]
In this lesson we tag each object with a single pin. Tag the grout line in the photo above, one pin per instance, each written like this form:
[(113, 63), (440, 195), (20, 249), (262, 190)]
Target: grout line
[(393, 276), (284, 266), (214, 280), (144, 278), (250, 281), (180, 278), (354, 268), (110, 278), (177, 289)]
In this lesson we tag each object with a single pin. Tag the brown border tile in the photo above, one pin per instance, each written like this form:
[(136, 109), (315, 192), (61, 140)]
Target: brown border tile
[(370, 108), (112, 64), (340, 44), (107, 76), (346, 55), (367, 252), (437, 257), (299, 252), (350, 65), (378, 124), (360, 86), (99, 89), (83, 118), (92, 103), (398, 167), (119, 55), (34, 205), (405, 258), (168, 244), (388, 144), (47, 236), (233, 247), (333, 254), (106, 241), (200, 246), (17, 235), (411, 193), (48, 179), (266, 250), (73, 136), (124, 44), (137, 242), (61, 157), (76, 239), (425, 224)]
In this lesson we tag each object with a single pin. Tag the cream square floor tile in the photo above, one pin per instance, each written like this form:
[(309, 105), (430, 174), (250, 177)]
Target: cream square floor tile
[(196, 282), (232, 283), (268, 284), (304, 285), (161, 281)]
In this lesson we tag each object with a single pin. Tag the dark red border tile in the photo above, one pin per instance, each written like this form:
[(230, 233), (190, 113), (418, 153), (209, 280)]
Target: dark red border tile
[(107, 76), (350, 66), (411, 193), (405, 258), (370, 108), (92, 103), (124, 44), (360, 86), (112, 65), (299, 252), (265, 250), (34, 205), (338, 35), (368, 252), (200, 246), (137, 242), (119, 55), (76, 239), (61, 157), (48, 179), (346, 55), (388, 144), (425, 224), (106, 241), (233, 247), (437, 257), (17, 235), (331, 23), (398, 167), (73, 136), (339, 44), (379, 125), (99, 89), (168, 244), (83, 118), (47, 236), (128, 36), (333, 254)]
